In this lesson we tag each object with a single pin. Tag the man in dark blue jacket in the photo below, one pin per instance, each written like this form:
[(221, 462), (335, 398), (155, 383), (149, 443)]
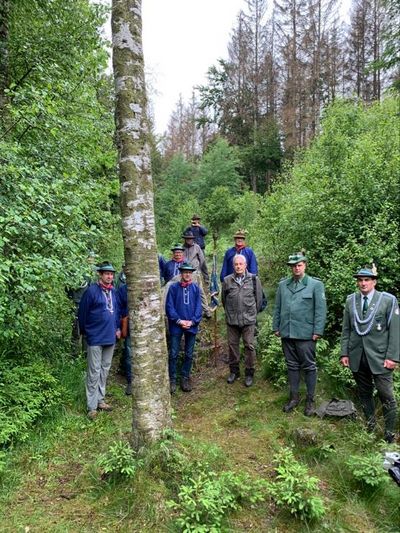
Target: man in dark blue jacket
[(240, 248), (99, 319), (198, 231), (183, 309), (171, 268)]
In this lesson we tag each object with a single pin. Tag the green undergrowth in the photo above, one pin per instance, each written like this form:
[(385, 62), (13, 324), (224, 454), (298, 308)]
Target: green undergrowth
[(233, 462)]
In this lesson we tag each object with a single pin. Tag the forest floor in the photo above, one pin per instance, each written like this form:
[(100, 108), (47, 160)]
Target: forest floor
[(53, 484)]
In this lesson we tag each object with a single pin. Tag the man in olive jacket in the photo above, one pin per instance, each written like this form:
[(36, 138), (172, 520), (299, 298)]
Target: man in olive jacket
[(242, 299), (299, 320), (370, 347)]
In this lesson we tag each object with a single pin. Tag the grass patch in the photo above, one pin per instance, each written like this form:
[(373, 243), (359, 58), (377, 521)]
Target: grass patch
[(53, 481)]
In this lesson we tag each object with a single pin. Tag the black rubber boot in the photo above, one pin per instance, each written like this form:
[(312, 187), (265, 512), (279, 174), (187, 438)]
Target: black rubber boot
[(249, 376), (234, 375), (292, 403), (186, 386), (309, 409)]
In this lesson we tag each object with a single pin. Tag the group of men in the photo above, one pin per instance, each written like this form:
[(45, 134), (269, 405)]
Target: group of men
[(370, 340), (370, 335)]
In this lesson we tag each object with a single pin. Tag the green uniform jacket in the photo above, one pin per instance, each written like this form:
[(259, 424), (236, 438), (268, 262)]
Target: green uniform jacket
[(300, 312), (383, 340)]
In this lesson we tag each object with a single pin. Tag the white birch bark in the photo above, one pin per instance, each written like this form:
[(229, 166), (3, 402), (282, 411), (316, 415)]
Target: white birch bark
[(151, 397)]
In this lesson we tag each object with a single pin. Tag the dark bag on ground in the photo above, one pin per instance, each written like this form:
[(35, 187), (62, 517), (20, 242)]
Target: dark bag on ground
[(337, 409)]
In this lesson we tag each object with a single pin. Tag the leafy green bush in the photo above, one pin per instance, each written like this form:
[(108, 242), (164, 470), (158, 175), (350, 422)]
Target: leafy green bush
[(367, 469), (204, 499), (294, 489), (119, 461), (341, 375), (26, 394), (269, 348)]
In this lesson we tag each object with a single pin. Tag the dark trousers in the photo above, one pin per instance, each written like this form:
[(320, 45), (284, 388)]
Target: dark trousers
[(300, 355), (174, 347), (247, 333), (366, 380), (126, 359)]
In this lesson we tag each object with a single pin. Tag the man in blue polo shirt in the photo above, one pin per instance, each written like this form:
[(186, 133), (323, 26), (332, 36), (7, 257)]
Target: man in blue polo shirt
[(99, 319)]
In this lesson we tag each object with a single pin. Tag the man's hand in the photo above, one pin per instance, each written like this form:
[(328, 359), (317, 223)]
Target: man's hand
[(186, 324), (277, 333), (315, 337), (389, 364), (345, 361), (118, 334)]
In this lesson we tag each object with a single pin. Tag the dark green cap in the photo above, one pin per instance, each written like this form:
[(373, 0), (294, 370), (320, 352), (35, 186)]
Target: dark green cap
[(186, 267)]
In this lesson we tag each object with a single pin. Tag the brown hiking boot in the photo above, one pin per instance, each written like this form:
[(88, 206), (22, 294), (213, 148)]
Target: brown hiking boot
[(92, 414)]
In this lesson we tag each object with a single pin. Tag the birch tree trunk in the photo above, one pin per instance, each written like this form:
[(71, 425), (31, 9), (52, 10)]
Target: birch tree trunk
[(151, 397)]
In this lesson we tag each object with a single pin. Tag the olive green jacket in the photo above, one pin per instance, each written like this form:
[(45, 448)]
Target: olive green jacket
[(241, 302), (300, 311), (383, 339)]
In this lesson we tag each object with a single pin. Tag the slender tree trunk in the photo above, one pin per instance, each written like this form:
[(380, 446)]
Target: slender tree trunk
[(4, 16), (151, 398)]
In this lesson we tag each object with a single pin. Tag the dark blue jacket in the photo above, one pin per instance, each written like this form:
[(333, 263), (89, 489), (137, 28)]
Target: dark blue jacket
[(183, 304), (161, 265), (96, 321), (199, 233), (171, 270), (122, 295), (227, 265)]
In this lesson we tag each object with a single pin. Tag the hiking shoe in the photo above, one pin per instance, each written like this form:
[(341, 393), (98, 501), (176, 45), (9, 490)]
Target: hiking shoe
[(389, 437), (248, 381), (172, 387), (92, 414), (103, 406), (128, 390), (232, 377), (292, 403), (186, 385)]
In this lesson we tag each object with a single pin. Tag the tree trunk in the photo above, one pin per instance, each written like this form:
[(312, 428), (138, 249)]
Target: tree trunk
[(151, 397), (4, 16)]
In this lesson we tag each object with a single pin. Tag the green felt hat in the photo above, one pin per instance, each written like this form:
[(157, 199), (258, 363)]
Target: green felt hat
[(105, 267), (177, 247), (186, 267), (296, 258), (366, 273)]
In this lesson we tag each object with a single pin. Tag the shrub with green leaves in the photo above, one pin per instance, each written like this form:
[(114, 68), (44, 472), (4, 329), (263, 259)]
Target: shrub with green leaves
[(337, 372), (269, 348), (119, 461), (294, 489), (367, 469), (205, 498), (26, 393)]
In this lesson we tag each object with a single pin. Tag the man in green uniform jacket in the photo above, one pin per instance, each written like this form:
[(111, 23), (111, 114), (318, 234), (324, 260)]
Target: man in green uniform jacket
[(299, 320), (370, 347)]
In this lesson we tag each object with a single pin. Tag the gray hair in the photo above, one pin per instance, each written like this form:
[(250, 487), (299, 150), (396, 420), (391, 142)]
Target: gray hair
[(241, 257)]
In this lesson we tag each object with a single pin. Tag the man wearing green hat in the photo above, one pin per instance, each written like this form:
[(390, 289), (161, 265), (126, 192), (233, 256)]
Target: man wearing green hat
[(299, 320), (99, 321), (370, 347), (183, 309), (171, 267)]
